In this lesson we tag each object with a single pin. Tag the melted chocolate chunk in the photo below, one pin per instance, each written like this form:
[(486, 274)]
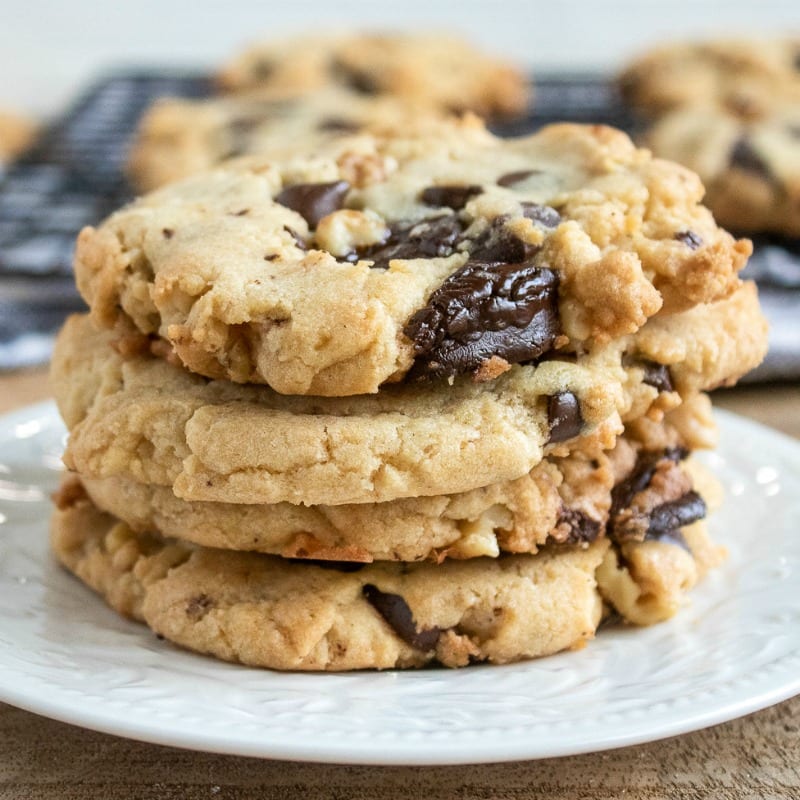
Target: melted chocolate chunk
[(744, 156), (436, 237), (339, 125), (484, 310), (498, 244), (544, 215), (313, 201), (673, 515), (452, 196), (639, 479), (689, 238), (398, 615), (198, 607), (564, 416), (510, 178), (582, 527)]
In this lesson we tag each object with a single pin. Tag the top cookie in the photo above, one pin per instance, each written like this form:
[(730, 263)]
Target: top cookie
[(743, 77), (441, 71), (418, 257)]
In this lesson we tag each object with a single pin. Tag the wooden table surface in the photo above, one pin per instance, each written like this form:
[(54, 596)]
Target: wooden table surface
[(754, 757)]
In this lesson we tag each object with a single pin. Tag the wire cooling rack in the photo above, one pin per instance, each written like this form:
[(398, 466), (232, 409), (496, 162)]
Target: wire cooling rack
[(74, 176)]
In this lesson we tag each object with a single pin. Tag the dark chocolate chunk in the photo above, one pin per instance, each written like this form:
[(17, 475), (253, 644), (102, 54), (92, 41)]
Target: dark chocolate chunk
[(339, 125), (510, 178), (656, 375), (436, 237), (298, 239), (452, 196), (676, 513), (582, 527), (498, 244), (689, 238), (484, 310), (313, 201), (639, 479), (564, 416), (744, 156), (398, 615), (544, 215)]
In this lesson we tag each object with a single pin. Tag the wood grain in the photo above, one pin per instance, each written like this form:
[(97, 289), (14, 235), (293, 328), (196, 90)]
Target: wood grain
[(754, 757)]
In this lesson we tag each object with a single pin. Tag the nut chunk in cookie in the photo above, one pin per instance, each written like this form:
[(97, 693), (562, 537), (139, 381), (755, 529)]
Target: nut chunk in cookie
[(427, 256)]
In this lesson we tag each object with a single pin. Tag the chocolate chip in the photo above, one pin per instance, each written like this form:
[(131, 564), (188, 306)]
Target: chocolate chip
[(167, 233), (582, 528), (452, 196), (675, 514), (689, 238), (339, 125), (298, 239), (744, 156), (484, 310), (498, 244), (198, 607), (564, 416), (263, 68), (656, 375), (313, 201), (400, 618), (430, 238), (510, 178), (545, 215)]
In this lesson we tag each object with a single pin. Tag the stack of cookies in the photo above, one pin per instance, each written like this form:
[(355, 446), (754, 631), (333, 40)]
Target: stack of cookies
[(409, 396)]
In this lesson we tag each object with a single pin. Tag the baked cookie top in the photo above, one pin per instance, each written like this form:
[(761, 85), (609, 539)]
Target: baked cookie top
[(179, 137), (441, 71), (412, 258), (744, 77)]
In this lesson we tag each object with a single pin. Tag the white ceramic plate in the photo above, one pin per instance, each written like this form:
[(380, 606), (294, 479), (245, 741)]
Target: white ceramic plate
[(734, 650)]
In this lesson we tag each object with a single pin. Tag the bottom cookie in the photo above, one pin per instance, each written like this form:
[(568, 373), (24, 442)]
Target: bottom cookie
[(265, 611)]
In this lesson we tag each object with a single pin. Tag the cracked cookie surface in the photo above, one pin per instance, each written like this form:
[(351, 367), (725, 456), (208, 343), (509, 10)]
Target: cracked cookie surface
[(444, 253)]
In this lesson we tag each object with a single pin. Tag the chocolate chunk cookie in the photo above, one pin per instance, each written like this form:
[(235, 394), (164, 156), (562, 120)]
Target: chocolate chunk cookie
[(415, 258), (436, 70), (730, 111)]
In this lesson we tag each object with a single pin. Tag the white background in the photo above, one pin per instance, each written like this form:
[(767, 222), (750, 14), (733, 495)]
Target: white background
[(48, 50)]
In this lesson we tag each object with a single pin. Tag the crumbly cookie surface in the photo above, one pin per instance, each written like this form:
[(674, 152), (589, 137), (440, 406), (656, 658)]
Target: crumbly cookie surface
[(441, 71), (418, 258), (179, 137), (134, 414), (265, 611)]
